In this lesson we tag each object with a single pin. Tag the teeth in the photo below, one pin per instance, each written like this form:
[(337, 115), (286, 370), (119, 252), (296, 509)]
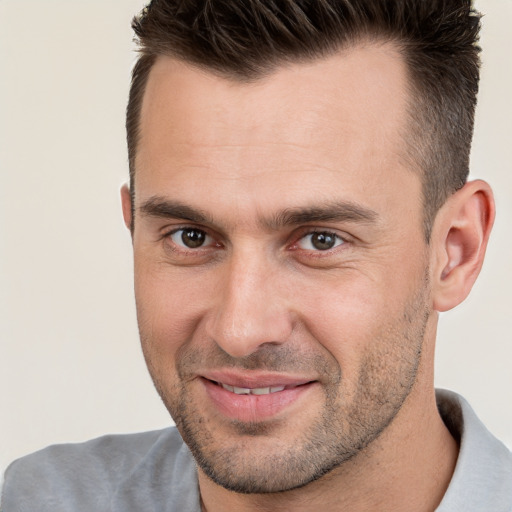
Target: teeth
[(253, 391), (241, 391), (261, 391)]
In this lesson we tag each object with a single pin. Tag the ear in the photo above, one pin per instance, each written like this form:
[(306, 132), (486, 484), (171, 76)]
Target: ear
[(459, 240), (126, 202)]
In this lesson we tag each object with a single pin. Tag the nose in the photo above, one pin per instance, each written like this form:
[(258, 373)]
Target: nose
[(250, 307)]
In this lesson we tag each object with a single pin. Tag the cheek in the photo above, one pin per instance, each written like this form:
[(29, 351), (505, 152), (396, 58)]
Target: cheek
[(170, 306), (354, 315), (345, 323)]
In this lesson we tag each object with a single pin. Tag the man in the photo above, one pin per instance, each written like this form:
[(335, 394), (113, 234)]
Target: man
[(300, 214)]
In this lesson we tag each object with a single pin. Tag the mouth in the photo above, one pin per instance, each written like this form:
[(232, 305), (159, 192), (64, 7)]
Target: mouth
[(254, 399), (267, 390)]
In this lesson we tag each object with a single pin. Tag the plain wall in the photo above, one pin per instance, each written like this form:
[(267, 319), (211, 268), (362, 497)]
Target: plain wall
[(70, 363)]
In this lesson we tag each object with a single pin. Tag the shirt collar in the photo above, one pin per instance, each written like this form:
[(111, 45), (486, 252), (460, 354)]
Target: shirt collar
[(482, 480)]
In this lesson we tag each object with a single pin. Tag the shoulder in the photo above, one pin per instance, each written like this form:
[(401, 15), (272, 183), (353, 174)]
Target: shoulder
[(89, 475), (482, 480)]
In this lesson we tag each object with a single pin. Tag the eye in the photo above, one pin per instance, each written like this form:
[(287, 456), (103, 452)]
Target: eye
[(319, 241), (190, 238)]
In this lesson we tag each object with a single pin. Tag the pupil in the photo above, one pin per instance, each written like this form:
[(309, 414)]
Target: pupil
[(323, 241), (193, 238)]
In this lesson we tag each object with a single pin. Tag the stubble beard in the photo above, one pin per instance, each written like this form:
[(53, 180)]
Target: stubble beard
[(346, 426)]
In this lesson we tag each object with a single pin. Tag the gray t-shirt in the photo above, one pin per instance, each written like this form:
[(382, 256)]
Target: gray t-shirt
[(154, 471)]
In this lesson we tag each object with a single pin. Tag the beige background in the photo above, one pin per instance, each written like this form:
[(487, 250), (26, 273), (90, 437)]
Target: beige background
[(70, 364)]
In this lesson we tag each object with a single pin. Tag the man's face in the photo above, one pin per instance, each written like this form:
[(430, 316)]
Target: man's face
[(280, 266)]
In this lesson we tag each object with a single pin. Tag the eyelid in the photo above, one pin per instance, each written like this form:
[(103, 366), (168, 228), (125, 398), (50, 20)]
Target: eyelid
[(343, 239), (167, 230), (176, 240), (166, 234), (336, 242)]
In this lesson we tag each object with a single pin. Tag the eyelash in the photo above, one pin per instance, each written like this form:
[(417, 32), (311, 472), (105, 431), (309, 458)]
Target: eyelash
[(338, 241), (188, 250), (178, 248)]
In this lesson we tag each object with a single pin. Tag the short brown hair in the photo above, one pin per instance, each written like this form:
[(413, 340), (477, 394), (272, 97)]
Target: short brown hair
[(245, 40)]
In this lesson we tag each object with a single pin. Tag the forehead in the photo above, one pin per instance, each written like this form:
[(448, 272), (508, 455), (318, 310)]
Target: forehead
[(300, 131)]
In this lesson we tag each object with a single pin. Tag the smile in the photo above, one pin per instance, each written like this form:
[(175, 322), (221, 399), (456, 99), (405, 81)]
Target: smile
[(262, 400), (251, 391)]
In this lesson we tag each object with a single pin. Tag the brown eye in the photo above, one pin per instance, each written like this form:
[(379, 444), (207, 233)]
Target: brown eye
[(190, 238), (320, 241)]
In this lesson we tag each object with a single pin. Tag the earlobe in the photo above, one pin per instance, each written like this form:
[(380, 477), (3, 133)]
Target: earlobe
[(126, 202), (459, 240)]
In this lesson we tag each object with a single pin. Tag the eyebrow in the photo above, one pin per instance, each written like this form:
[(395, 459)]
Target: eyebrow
[(164, 208), (337, 211)]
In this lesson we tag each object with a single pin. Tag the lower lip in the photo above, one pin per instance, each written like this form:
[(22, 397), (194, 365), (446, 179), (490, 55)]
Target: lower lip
[(253, 408)]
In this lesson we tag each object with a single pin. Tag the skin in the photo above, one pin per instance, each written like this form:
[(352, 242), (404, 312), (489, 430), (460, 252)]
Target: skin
[(256, 169)]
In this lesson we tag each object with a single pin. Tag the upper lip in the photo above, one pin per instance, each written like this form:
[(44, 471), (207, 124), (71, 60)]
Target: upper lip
[(253, 379)]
